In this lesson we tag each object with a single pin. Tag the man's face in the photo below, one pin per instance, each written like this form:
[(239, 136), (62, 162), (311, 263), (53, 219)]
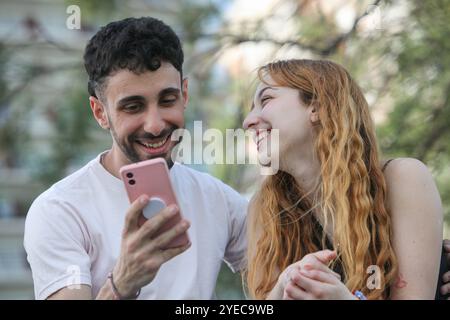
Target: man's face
[(142, 112)]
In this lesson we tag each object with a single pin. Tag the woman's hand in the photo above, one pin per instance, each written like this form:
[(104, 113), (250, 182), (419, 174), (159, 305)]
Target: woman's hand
[(313, 284), (310, 278)]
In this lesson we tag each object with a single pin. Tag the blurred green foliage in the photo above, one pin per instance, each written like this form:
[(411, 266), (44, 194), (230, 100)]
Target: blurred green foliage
[(419, 122)]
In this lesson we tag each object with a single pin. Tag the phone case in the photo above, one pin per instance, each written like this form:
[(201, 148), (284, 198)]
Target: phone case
[(151, 177)]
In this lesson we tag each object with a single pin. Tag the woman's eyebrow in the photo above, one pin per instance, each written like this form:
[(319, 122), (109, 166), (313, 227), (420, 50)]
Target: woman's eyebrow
[(262, 91)]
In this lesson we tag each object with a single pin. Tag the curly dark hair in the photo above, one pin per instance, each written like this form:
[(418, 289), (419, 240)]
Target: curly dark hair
[(136, 44)]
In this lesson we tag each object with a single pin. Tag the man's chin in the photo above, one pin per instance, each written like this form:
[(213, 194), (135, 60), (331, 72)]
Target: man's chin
[(165, 156), (142, 155)]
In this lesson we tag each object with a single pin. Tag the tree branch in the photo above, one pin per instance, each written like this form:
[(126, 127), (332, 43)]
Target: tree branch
[(321, 51), (37, 71), (344, 37), (437, 130)]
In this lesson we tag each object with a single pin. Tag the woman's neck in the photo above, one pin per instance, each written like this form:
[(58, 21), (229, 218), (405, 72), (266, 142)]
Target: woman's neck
[(305, 169)]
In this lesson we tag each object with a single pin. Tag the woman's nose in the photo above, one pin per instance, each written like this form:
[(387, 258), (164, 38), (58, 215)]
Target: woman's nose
[(251, 120)]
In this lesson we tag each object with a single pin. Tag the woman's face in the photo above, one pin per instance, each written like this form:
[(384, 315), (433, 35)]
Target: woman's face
[(276, 107)]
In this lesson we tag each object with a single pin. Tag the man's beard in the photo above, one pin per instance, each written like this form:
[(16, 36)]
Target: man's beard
[(128, 149)]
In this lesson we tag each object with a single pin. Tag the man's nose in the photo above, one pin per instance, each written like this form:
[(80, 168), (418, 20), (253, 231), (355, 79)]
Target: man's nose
[(154, 123)]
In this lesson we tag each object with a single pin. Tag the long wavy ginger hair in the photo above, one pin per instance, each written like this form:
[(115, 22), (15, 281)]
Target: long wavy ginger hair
[(351, 188)]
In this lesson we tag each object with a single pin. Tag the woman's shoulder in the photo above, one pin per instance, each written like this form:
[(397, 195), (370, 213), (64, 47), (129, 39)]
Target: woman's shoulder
[(410, 162), (408, 183), (405, 168), (405, 174)]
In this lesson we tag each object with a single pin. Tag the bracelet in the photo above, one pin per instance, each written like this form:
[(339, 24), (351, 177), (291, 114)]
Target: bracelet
[(358, 294), (117, 295)]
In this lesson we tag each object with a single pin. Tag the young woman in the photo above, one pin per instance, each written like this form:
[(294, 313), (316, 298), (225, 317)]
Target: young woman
[(336, 219)]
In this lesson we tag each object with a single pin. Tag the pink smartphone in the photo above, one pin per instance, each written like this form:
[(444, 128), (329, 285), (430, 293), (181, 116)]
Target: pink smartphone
[(151, 177)]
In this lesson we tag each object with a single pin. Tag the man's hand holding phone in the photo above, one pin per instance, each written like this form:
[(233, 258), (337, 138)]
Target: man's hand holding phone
[(144, 249)]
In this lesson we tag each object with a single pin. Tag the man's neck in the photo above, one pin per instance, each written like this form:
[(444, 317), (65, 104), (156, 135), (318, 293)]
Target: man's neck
[(111, 163)]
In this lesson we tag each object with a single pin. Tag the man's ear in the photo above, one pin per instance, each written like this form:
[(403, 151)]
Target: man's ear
[(99, 112), (314, 114), (184, 91)]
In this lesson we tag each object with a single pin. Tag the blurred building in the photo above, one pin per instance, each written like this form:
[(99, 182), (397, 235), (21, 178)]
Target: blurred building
[(15, 275), (32, 30)]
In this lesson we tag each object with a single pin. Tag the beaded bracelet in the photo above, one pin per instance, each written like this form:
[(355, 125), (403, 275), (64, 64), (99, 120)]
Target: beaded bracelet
[(117, 295), (358, 294)]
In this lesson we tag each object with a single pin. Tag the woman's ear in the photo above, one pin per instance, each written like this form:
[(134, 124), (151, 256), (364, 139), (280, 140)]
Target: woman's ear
[(314, 114), (99, 112)]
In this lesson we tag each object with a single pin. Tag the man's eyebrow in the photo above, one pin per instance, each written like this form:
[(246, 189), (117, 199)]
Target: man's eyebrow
[(128, 99), (134, 98), (168, 91)]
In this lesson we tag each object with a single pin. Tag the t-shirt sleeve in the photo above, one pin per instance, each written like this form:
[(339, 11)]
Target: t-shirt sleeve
[(55, 244), (236, 249)]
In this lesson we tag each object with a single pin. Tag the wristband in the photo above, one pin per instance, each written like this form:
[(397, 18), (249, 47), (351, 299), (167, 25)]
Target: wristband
[(117, 295), (358, 294)]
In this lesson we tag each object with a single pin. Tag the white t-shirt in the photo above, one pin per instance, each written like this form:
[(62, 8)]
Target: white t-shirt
[(73, 233)]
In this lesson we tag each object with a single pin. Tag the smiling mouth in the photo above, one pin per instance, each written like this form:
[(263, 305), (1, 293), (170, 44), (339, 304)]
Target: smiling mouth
[(156, 146), (261, 135)]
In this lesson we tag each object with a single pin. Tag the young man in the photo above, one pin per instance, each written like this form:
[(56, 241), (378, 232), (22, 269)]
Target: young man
[(81, 235)]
